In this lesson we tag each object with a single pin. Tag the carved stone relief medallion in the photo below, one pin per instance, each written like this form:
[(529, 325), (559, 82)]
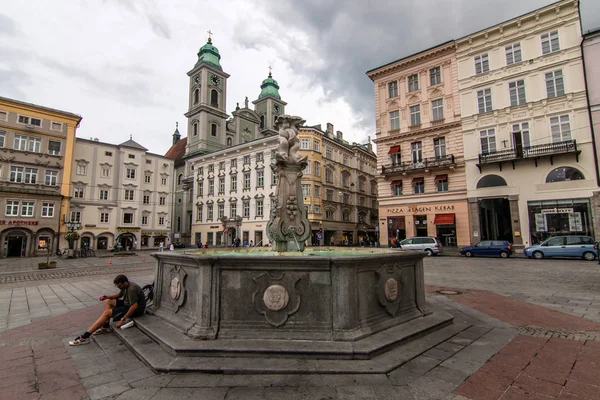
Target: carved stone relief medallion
[(276, 297), (175, 288), (391, 289)]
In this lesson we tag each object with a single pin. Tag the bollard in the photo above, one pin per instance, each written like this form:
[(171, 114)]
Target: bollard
[(110, 261)]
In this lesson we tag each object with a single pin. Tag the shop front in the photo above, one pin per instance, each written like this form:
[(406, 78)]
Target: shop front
[(549, 218), (26, 238), (448, 221), (127, 239), (153, 238)]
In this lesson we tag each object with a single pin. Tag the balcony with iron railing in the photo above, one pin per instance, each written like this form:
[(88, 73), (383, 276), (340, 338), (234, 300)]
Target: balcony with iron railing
[(546, 150), (441, 162)]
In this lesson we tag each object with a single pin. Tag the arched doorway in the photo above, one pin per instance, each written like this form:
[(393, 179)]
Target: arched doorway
[(125, 241), (16, 244), (231, 235), (104, 241)]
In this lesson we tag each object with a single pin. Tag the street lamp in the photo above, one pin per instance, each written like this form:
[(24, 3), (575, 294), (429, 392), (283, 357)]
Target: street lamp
[(73, 225), (72, 236)]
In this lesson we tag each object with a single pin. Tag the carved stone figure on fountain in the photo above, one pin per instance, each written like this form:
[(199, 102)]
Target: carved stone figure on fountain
[(289, 144)]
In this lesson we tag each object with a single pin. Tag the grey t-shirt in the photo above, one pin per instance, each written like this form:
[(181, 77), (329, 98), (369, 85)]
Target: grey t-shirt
[(134, 294)]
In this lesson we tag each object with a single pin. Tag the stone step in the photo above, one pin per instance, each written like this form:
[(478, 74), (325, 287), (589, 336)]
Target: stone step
[(159, 359)]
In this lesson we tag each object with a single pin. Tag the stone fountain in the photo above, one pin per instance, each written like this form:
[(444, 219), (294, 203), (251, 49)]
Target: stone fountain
[(287, 309)]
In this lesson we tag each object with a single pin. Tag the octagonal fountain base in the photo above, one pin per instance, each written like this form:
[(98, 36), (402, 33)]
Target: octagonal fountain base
[(257, 311)]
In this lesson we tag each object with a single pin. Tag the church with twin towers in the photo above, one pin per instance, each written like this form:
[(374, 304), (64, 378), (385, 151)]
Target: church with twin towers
[(223, 186)]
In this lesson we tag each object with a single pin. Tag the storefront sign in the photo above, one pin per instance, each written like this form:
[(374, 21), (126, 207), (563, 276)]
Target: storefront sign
[(259, 225), (150, 233), (128, 230), (420, 209), (557, 210), (214, 227), (17, 222), (90, 225)]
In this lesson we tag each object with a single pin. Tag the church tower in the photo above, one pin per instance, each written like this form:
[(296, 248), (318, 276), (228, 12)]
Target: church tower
[(269, 105), (207, 101)]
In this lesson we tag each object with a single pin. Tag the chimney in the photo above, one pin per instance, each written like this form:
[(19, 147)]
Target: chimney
[(330, 129), (340, 135)]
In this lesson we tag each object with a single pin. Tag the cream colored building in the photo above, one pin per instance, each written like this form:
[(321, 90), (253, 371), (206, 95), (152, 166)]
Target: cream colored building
[(422, 184), (121, 195), (528, 145)]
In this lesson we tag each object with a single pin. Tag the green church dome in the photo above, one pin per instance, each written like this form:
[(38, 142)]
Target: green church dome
[(269, 87), (209, 54)]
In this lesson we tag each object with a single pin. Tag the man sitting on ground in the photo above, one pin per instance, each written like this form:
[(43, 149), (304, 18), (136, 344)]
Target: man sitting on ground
[(133, 304)]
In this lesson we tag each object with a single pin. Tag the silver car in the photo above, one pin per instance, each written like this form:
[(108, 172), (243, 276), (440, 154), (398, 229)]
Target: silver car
[(430, 245)]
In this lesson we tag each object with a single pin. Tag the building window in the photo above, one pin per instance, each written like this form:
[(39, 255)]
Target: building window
[(488, 141), (129, 194), (416, 150), (418, 185), (213, 130), (317, 191), (222, 166), (437, 110), (146, 199), (221, 185), (562, 174), (211, 187), (246, 180), (27, 208), (513, 53), (75, 216), (31, 175), (394, 124), (484, 100), (274, 178), (103, 194), (328, 175), (229, 141), (345, 179), (560, 128), (305, 190), (12, 208), (259, 208), (131, 156), (413, 83), (329, 153), (305, 144), (144, 219), (316, 168), (16, 174), (81, 169), (522, 130), (195, 129), (260, 178), (435, 76), (317, 209), (147, 178), (246, 160), (209, 209), (162, 201), (346, 216), (214, 98), (105, 172), (199, 213), (161, 221), (516, 91), (54, 148), (128, 218), (415, 115), (130, 173), (220, 210), (47, 209), (232, 210), (104, 217), (20, 142), (35, 145), (260, 157), (441, 183), (233, 163), (108, 153), (395, 155), (397, 188), (211, 168), (30, 121), (550, 42), (439, 147), (555, 85), (329, 195), (78, 192), (329, 214), (163, 181), (392, 89), (51, 177), (482, 63), (262, 122), (196, 96), (2, 135), (233, 183), (246, 209)]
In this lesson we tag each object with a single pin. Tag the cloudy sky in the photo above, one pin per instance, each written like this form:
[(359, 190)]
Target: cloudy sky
[(122, 64)]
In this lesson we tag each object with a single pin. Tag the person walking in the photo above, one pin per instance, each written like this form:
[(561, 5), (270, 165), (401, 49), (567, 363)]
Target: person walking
[(161, 246), (171, 247), (129, 302)]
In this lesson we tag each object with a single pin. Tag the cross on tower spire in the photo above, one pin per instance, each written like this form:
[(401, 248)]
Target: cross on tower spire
[(270, 68), (209, 35)]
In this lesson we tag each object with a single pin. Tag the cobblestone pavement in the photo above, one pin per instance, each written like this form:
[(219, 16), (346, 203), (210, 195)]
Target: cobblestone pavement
[(570, 286)]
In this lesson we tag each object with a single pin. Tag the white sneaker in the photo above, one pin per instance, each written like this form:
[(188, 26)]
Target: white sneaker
[(127, 325)]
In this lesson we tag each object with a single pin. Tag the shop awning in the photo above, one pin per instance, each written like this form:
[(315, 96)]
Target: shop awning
[(417, 180), (399, 182), (444, 219), (442, 177), (394, 150)]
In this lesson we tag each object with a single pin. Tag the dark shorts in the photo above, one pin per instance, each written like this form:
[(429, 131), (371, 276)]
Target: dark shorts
[(121, 309)]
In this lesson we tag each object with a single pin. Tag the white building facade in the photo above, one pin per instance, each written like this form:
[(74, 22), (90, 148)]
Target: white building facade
[(530, 162), (121, 195)]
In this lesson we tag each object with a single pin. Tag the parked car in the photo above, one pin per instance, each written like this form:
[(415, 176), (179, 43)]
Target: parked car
[(430, 245), (564, 246), (179, 245), (488, 248)]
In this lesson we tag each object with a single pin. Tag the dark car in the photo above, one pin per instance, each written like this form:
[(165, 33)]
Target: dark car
[(178, 245), (488, 248)]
